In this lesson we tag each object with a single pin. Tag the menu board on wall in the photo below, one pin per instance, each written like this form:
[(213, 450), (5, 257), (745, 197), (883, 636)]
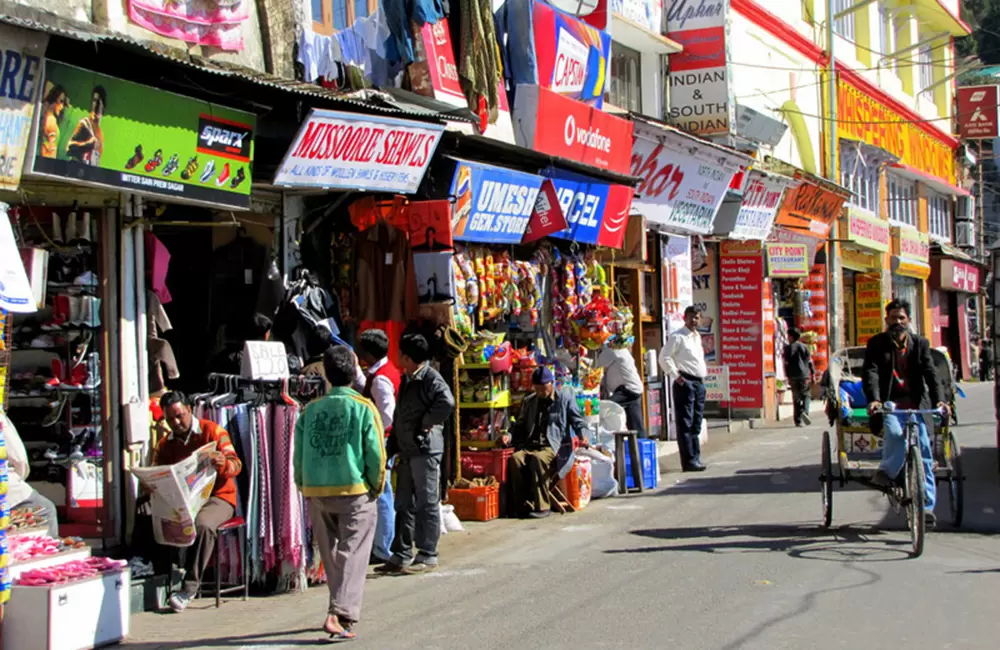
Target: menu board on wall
[(654, 404), (741, 274), (768, 322), (705, 278), (816, 285), (868, 298)]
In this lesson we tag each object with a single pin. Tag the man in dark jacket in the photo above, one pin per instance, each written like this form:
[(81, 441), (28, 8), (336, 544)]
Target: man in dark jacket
[(799, 370), (542, 435), (425, 403), (898, 368)]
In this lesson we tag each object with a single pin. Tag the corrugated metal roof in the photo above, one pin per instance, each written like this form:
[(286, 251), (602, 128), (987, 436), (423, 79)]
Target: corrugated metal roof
[(366, 100)]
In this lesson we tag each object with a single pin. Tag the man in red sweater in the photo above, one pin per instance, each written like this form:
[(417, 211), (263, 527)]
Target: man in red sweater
[(187, 435)]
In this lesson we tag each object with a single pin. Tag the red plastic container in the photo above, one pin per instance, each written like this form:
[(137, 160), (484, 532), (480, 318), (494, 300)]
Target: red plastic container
[(476, 504), (479, 464)]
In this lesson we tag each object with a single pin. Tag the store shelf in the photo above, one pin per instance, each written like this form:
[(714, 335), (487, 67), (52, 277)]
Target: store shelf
[(502, 401), (475, 366), (17, 568)]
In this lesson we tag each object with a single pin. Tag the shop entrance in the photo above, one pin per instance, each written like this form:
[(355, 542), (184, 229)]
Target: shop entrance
[(850, 308)]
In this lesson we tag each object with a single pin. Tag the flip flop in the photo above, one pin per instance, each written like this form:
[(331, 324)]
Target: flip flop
[(339, 637)]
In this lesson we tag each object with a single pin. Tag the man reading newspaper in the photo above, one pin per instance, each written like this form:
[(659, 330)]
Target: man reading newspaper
[(188, 437)]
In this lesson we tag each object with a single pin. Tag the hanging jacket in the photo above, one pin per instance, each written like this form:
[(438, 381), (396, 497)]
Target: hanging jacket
[(386, 282), (307, 319), (479, 56)]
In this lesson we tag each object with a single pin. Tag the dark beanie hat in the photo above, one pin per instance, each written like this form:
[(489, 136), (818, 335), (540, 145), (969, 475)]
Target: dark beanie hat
[(542, 375)]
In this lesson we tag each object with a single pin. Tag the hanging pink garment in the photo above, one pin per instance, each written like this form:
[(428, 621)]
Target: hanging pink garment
[(268, 551), (215, 24), (157, 263)]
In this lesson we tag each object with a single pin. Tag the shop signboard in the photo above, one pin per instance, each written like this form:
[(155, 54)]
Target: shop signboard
[(557, 125), (705, 279), (782, 236), (683, 180), (647, 14), (700, 93), (22, 57), (335, 150), (860, 116), (760, 205), (717, 384), (810, 209), (265, 360), (866, 229), (548, 217), (959, 276), (597, 212), (912, 251), (122, 135), (787, 260), (553, 49), (868, 310), (977, 111), (741, 317), (492, 204)]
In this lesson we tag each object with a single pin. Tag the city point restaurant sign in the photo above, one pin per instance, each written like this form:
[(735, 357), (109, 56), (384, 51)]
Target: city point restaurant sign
[(862, 118)]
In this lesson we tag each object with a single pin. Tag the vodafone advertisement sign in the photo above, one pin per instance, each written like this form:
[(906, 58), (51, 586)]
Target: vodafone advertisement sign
[(548, 122), (684, 180), (353, 151)]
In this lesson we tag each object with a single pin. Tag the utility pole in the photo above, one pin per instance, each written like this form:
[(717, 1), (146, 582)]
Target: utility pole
[(833, 295), (981, 248)]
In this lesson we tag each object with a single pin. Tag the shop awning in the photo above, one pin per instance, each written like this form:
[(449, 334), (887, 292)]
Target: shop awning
[(936, 15), (632, 34), (683, 179), (492, 204), (597, 211), (936, 183), (943, 249), (751, 216), (813, 206)]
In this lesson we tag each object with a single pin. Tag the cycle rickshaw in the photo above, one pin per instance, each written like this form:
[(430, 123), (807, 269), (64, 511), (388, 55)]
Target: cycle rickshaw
[(858, 449)]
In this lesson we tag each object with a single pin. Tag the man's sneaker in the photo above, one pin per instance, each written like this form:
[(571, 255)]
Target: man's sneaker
[(209, 172), (172, 165), (419, 567), (179, 602), (223, 175), (930, 520), (392, 569), (806, 419)]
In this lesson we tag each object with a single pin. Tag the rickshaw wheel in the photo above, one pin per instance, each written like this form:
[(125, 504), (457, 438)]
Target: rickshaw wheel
[(826, 481), (915, 491), (956, 482)]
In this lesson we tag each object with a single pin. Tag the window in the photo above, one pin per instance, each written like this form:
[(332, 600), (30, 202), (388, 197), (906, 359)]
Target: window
[(926, 65), (859, 176), (624, 91), (886, 29), (902, 200), (844, 26), (939, 215), (329, 16)]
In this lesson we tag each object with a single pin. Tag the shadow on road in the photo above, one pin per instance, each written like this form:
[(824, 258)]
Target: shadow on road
[(766, 480), (282, 639)]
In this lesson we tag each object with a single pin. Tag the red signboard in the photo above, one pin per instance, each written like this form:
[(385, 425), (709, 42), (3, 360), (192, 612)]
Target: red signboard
[(959, 276), (551, 123), (441, 59), (977, 111), (741, 317), (547, 217)]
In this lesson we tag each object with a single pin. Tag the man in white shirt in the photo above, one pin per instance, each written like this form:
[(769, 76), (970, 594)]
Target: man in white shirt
[(380, 384), (683, 359), (622, 383), (19, 493)]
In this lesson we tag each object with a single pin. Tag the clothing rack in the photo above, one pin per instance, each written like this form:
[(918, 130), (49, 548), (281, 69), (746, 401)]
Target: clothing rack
[(239, 381)]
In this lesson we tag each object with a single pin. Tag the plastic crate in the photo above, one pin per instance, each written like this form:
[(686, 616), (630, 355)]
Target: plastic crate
[(476, 504), (478, 464), (650, 465)]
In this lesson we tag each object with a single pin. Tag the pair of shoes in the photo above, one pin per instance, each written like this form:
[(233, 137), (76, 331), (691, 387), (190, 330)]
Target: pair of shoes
[(179, 601), (420, 566), (807, 419), (391, 568), (695, 466), (539, 515)]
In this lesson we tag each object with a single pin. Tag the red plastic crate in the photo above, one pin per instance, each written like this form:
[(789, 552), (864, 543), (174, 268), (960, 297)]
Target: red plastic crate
[(476, 504), (479, 464)]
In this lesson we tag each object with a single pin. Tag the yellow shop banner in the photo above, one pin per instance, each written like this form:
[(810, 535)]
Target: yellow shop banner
[(863, 118), (868, 230)]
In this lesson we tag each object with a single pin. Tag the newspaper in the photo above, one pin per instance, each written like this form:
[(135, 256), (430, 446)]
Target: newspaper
[(178, 492)]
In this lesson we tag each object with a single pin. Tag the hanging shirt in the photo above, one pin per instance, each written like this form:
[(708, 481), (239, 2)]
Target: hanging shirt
[(684, 354), (386, 282), (158, 261)]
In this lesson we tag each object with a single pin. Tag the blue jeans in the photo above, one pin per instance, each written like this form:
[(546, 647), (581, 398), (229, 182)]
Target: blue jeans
[(385, 529), (894, 453)]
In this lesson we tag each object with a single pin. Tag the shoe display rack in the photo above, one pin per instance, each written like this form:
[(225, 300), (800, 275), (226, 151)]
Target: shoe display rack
[(55, 392)]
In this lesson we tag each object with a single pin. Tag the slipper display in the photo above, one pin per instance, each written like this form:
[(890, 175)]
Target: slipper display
[(190, 168), (224, 176), (209, 171), (155, 161), (69, 572), (136, 157), (239, 178), (172, 165)]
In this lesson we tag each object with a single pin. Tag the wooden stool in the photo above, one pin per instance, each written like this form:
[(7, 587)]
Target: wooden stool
[(238, 526), (627, 440)]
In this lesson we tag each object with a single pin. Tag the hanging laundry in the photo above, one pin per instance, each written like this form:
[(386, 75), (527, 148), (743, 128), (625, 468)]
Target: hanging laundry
[(479, 57), (158, 262), (215, 23), (387, 284)]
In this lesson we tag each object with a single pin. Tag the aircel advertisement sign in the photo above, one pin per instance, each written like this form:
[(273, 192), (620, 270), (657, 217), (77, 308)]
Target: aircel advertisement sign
[(700, 100)]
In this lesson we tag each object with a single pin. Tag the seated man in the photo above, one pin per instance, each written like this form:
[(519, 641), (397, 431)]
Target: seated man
[(187, 434), (542, 435), (898, 368)]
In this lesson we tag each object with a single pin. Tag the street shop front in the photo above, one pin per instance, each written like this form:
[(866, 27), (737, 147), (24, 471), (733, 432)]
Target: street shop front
[(910, 270), (865, 240), (954, 280)]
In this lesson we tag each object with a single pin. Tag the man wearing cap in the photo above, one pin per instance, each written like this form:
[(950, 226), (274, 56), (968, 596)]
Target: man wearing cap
[(542, 436)]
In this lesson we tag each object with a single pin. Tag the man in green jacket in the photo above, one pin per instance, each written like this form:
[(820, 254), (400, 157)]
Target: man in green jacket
[(339, 464)]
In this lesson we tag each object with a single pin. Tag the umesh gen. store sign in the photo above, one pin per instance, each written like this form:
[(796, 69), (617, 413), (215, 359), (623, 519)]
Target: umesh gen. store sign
[(351, 151), (118, 134)]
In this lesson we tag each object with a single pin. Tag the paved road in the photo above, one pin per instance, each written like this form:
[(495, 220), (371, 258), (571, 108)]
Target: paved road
[(733, 558)]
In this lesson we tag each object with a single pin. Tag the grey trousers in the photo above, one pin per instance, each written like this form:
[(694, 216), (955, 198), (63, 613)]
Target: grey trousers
[(345, 531), (418, 509), (195, 558), (47, 509)]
